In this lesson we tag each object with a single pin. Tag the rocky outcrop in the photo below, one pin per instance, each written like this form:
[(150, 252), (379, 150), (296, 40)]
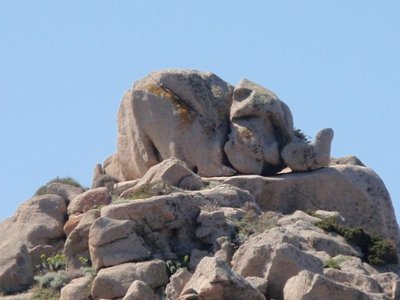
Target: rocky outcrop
[(307, 285), (139, 290), (164, 115), (114, 282), (261, 125), (356, 192), (301, 156), (113, 242), (214, 279), (76, 246), (77, 289), (169, 233), (38, 221), (93, 198)]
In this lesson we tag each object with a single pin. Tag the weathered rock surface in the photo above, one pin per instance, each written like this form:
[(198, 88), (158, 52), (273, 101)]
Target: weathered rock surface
[(113, 242), (38, 221), (167, 223), (217, 223), (287, 261), (90, 199), (164, 115), (309, 286), (139, 290), (261, 125), (16, 269), (71, 223), (347, 160), (66, 191), (354, 280), (248, 236), (176, 283), (173, 172), (114, 282), (76, 245), (170, 172), (214, 279), (371, 207), (301, 156), (77, 289)]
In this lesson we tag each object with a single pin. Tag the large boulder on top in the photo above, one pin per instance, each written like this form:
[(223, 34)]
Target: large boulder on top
[(165, 115), (261, 125), (356, 192)]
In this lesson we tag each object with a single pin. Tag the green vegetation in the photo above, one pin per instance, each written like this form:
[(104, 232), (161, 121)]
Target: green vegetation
[(66, 180), (146, 191), (332, 263), (53, 280), (174, 265), (51, 264), (252, 223), (376, 250), (301, 135)]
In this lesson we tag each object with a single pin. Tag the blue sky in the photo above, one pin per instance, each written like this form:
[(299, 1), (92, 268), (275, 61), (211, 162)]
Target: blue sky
[(64, 66)]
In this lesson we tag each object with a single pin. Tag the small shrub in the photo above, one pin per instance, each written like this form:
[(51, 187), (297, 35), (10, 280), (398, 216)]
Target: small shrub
[(174, 265), (375, 250), (53, 263), (66, 180), (148, 190), (252, 223), (53, 280), (301, 135), (332, 263)]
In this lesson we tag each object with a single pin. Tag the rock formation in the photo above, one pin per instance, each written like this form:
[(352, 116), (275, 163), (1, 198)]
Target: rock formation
[(193, 206)]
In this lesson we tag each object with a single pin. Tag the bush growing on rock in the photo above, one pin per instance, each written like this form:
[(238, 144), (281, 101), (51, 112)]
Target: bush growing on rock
[(252, 223), (53, 263), (65, 180), (376, 250)]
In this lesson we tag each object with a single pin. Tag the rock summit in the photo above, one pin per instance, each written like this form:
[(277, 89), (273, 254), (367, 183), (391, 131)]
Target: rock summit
[(212, 194)]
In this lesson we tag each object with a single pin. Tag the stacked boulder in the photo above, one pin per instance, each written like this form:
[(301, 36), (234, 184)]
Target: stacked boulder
[(191, 206)]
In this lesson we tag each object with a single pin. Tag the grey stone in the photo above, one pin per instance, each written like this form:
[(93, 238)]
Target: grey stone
[(139, 290), (301, 156), (261, 125), (115, 281)]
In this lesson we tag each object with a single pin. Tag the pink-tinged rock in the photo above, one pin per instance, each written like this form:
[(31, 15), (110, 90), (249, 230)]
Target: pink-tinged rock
[(90, 199), (66, 191), (139, 290), (214, 279), (165, 115), (114, 282), (261, 125), (77, 246), (359, 187), (77, 289), (309, 286), (113, 242)]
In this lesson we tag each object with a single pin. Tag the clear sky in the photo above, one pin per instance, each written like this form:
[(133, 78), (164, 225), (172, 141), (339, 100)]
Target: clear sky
[(64, 66)]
